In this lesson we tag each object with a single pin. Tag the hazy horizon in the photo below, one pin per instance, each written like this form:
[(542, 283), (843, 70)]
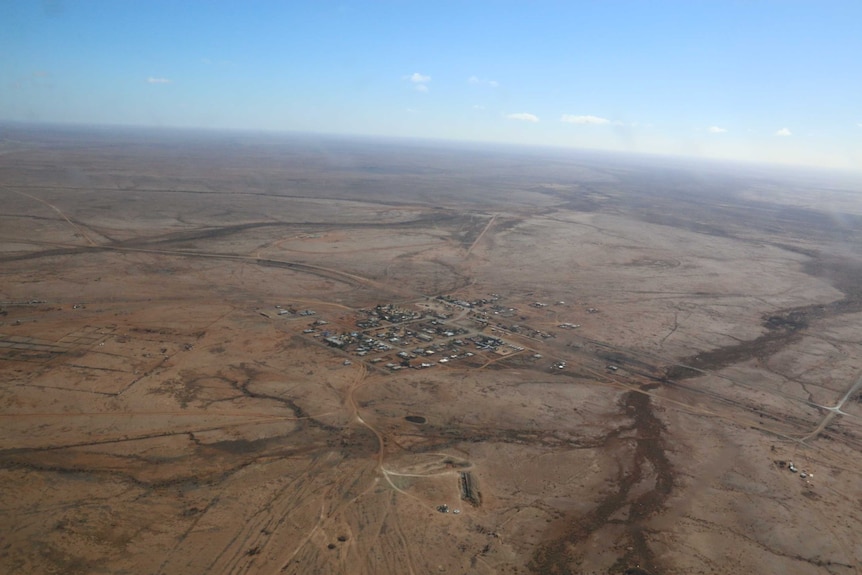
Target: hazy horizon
[(753, 82), (680, 161)]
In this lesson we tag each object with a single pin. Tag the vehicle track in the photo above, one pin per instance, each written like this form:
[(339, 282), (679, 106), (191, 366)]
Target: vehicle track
[(78, 227), (834, 411), (482, 234)]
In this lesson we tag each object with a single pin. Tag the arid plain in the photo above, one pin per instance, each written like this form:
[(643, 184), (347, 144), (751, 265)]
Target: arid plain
[(247, 353)]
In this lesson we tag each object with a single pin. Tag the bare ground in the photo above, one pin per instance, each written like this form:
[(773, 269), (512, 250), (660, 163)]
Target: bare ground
[(168, 409)]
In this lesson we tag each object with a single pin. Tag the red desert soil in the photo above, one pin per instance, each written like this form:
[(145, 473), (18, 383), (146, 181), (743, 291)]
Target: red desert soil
[(252, 363)]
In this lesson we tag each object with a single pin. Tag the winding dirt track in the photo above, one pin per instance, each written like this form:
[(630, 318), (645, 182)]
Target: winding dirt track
[(321, 271)]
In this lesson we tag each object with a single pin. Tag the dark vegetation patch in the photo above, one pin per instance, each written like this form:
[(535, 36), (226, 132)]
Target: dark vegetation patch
[(786, 326), (560, 553)]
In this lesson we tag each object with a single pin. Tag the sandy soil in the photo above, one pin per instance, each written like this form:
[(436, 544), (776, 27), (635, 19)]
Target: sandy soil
[(171, 405)]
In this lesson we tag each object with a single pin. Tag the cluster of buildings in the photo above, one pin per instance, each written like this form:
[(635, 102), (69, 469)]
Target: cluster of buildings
[(407, 338), (423, 336), (469, 304), (389, 313)]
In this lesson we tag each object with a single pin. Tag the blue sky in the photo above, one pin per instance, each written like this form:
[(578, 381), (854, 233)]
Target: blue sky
[(777, 81)]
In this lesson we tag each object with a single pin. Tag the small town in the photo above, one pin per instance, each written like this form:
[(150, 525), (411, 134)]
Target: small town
[(429, 333)]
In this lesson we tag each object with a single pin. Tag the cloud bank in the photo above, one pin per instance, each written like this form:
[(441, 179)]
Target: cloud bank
[(784, 132)]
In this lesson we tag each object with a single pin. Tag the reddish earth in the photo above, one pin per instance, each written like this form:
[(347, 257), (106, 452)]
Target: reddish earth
[(646, 351)]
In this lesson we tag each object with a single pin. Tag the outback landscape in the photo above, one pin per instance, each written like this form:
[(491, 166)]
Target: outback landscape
[(253, 353)]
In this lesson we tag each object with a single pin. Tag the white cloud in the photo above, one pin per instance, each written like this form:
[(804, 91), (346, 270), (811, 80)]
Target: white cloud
[(152, 80), (478, 107), (572, 119), (784, 132), (523, 116), (420, 81), (475, 80), (859, 124), (716, 130)]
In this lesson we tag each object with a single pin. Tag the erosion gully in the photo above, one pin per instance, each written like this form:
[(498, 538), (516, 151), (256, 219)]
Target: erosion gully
[(649, 463)]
